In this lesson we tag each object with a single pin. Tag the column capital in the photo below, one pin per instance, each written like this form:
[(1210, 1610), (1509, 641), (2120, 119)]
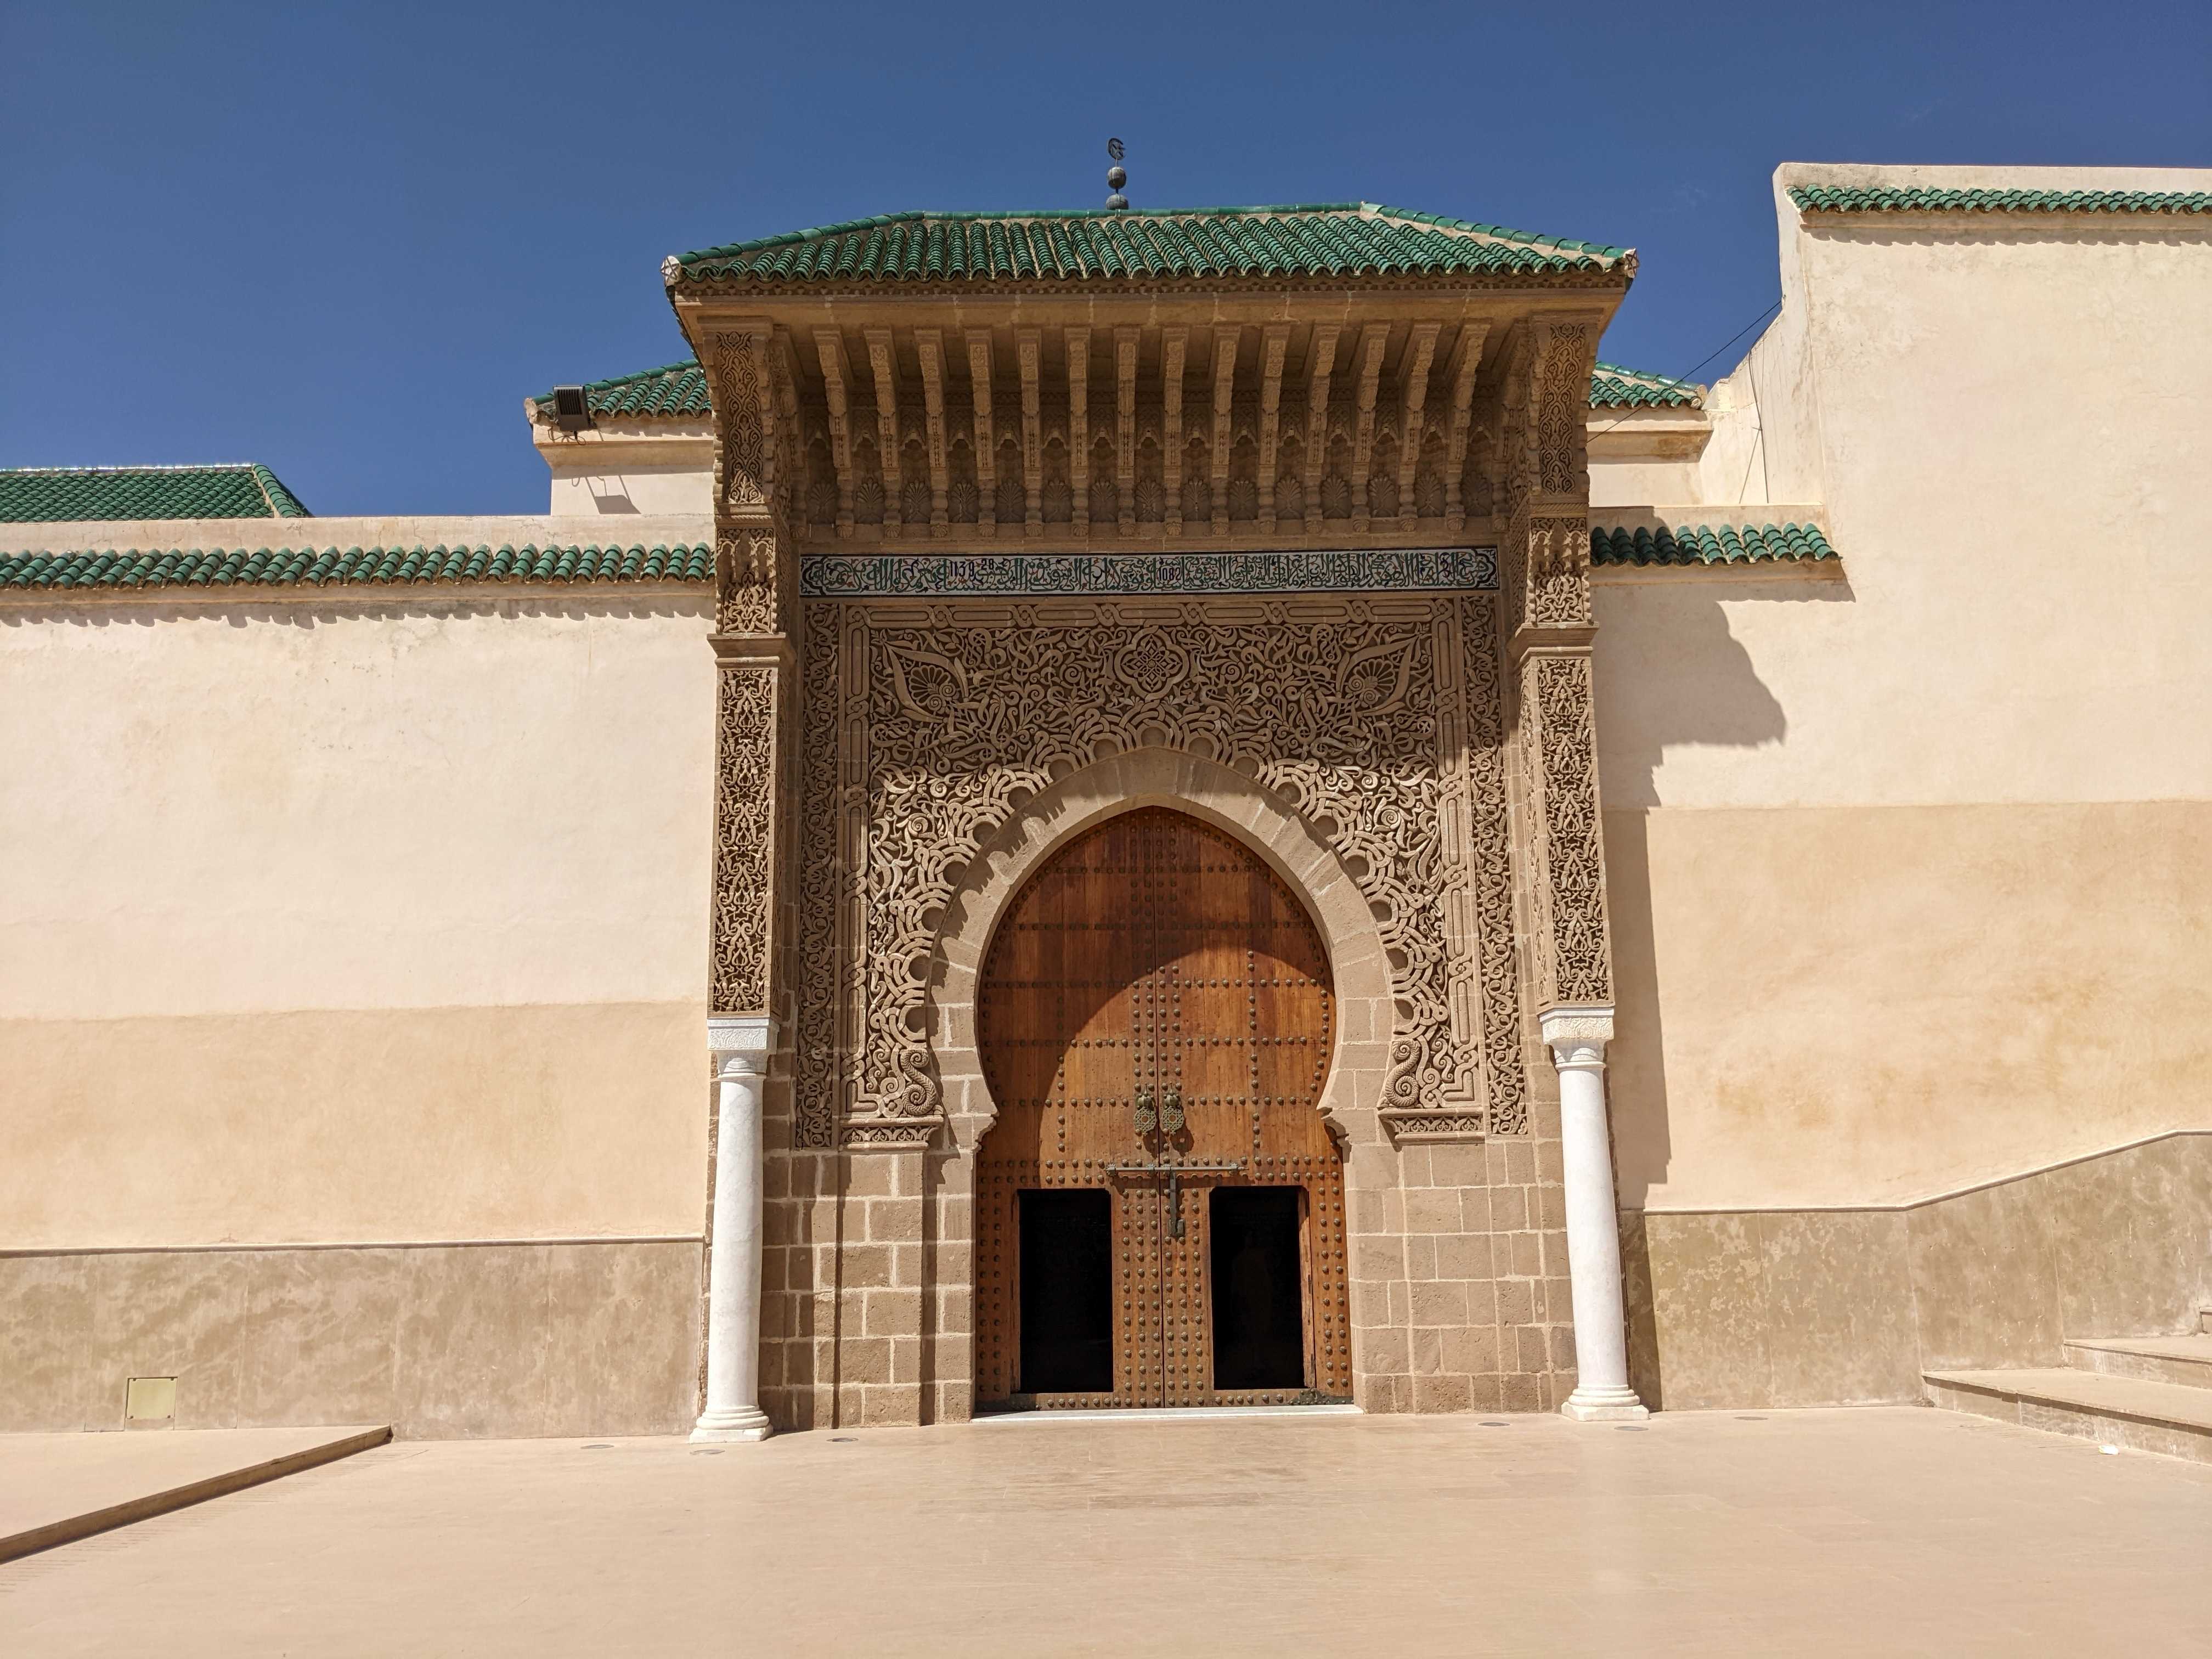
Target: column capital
[(1577, 1034), (743, 1036)]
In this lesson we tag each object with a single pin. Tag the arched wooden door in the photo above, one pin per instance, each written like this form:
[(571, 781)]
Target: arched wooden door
[(1160, 1208)]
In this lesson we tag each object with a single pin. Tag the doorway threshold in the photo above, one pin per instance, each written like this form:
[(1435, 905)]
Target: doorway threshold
[(1162, 1414)]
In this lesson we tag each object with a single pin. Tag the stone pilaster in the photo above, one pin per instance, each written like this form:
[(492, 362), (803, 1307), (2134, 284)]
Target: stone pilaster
[(755, 609), (1547, 627)]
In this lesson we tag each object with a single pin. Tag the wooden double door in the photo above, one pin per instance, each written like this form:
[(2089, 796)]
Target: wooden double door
[(1160, 1208)]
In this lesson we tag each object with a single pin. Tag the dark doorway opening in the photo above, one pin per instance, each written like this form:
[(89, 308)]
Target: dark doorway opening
[(1067, 1292), (1259, 1289)]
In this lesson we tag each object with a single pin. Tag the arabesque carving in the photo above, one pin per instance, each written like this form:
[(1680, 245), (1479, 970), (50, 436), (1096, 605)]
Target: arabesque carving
[(1562, 410), (738, 402), (1557, 572), (949, 720), (821, 898), (748, 596), (744, 839), (1574, 873), (1490, 851)]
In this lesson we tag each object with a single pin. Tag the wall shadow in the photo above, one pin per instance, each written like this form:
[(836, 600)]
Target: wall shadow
[(1671, 672)]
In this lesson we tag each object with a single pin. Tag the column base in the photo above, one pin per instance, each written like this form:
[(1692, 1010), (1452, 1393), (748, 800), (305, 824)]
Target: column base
[(1604, 1406), (718, 1427)]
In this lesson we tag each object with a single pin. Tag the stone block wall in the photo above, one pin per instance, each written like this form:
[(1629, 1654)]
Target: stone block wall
[(495, 1340), (1459, 1297), (1848, 1307)]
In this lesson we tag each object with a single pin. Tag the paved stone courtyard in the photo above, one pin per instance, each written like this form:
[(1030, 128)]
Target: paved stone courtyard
[(1875, 1531)]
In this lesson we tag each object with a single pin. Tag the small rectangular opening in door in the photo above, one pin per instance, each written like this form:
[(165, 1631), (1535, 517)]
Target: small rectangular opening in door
[(1067, 1293), (1259, 1289)]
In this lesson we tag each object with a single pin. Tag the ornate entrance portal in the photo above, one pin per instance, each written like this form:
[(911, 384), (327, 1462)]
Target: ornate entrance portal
[(1160, 1204), (1281, 516)]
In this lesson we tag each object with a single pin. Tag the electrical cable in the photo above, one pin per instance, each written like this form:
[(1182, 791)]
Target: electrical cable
[(1684, 380)]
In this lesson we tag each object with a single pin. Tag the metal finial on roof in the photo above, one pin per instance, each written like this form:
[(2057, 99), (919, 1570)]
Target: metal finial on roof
[(1116, 178)]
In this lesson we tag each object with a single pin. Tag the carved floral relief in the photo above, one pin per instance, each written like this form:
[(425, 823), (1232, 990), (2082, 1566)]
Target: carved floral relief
[(744, 842), (926, 729)]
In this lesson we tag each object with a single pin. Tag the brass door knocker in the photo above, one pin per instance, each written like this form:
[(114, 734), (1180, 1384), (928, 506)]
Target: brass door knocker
[(1148, 1117)]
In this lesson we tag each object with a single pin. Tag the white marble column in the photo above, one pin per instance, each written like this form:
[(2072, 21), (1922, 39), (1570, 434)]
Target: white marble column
[(733, 1264), (1578, 1037)]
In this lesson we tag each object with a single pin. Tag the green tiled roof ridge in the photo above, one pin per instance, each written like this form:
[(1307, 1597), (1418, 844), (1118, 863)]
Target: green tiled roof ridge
[(1612, 386), (673, 389), (1335, 239), (283, 503), (1876, 198), (1364, 210), (64, 494), (1615, 387), (110, 568), (1707, 544)]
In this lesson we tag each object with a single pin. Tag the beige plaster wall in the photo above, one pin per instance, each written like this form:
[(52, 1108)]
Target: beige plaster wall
[(627, 490), (353, 919), (1839, 1006), (1635, 480), (622, 469), (1909, 869), (1639, 456)]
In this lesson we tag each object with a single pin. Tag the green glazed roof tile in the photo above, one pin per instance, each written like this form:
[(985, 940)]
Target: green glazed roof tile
[(1687, 544), (57, 495), (1837, 198), (1333, 239), (678, 392), (1613, 387), (286, 566), (672, 391)]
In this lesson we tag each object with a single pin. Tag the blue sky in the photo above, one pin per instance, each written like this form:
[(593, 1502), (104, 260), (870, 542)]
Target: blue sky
[(347, 240)]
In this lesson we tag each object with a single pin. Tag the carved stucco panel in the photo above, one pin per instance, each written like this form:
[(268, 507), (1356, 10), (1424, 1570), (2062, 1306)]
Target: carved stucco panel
[(926, 730), (1562, 399), (748, 599), (1490, 853), (744, 838), (1571, 894), (1557, 572), (739, 368), (819, 1041)]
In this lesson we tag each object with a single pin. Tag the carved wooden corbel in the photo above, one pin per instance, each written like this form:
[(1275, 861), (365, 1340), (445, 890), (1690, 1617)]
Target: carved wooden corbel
[(987, 458), (1274, 344), (1227, 338), (929, 346), (1373, 339), (1321, 362), (836, 378), (1076, 342), (1174, 342), (1029, 349), (883, 371), (1467, 358), (1413, 394), (1127, 340)]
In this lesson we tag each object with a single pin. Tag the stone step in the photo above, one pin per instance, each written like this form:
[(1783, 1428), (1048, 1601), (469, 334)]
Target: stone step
[(57, 1488), (2184, 1359), (2167, 1418)]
